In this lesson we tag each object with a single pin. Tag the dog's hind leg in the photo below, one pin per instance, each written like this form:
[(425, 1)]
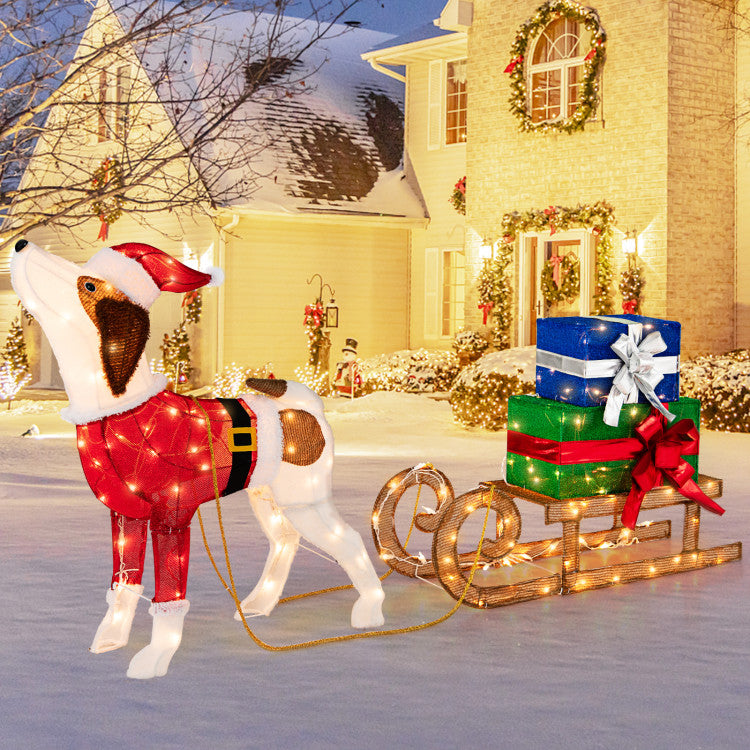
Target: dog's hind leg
[(283, 541), (128, 553), (321, 524)]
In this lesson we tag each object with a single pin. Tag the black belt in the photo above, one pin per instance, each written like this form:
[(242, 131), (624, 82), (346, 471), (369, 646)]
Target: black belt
[(243, 443)]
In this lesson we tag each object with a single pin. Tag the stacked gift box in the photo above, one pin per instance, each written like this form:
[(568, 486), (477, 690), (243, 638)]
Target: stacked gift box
[(567, 441)]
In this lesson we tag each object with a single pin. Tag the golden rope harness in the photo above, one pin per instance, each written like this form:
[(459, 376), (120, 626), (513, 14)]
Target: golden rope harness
[(231, 588)]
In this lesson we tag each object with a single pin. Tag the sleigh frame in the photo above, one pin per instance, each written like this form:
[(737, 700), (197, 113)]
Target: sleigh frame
[(500, 546)]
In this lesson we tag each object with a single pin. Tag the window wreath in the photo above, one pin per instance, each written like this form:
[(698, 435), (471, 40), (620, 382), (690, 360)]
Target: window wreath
[(458, 196), (109, 209), (589, 86), (561, 278)]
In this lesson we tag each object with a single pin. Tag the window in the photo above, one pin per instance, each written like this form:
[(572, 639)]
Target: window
[(102, 125), (556, 70), (452, 303), (455, 102), (445, 278), (446, 97), (122, 98)]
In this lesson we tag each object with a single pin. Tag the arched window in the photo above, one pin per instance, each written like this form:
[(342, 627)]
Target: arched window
[(556, 71)]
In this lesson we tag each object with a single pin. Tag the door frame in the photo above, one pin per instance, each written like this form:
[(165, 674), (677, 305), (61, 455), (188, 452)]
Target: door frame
[(529, 290)]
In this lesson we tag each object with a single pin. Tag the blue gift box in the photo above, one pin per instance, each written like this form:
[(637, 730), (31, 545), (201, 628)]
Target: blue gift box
[(576, 362)]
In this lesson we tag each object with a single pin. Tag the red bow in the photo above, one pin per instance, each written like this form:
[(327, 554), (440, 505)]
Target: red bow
[(103, 230), (591, 53), (512, 64), (315, 312), (550, 214), (486, 308), (629, 306), (663, 459), (555, 262)]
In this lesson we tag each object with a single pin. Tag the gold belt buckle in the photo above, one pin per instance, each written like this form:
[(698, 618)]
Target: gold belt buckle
[(234, 448)]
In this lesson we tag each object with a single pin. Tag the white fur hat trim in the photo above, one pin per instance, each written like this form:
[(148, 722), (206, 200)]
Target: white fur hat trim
[(126, 274)]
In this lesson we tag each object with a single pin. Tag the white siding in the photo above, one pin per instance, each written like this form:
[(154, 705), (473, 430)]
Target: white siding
[(268, 264)]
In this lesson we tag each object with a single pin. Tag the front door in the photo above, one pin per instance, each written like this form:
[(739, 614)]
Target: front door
[(550, 266)]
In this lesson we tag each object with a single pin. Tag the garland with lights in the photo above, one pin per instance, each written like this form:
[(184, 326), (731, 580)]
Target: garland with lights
[(192, 306), (592, 63), (631, 285), (599, 217), (496, 294), (561, 278), (314, 320), (458, 196), (108, 209)]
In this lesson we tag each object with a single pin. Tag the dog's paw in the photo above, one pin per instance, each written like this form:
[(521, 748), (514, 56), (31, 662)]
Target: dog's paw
[(367, 611)]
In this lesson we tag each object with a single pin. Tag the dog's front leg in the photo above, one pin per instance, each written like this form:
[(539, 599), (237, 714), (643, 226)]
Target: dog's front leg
[(171, 559), (128, 552)]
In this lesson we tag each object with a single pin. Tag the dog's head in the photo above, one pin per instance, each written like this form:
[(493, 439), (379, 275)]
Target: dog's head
[(83, 315)]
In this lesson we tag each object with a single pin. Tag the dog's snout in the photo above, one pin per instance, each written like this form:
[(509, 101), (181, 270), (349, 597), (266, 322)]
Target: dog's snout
[(21, 244)]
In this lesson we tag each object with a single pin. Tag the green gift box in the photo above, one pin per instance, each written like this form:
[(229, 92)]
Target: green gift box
[(562, 450)]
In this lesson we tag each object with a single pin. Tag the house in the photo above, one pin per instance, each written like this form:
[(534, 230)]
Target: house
[(326, 201), (568, 116)]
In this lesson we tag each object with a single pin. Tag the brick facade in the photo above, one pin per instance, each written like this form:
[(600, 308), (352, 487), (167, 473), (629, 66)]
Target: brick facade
[(661, 151)]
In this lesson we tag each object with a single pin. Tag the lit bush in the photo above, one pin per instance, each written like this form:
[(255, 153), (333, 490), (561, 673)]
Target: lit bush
[(479, 396), (722, 384), (409, 370)]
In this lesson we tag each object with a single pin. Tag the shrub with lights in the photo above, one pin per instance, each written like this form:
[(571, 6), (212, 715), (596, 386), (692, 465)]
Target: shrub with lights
[(409, 370), (14, 371), (231, 381), (479, 396), (722, 383), (496, 293)]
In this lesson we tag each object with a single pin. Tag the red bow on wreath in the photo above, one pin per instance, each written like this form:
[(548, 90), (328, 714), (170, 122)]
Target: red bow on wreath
[(662, 458), (486, 308), (189, 297), (555, 262), (511, 66)]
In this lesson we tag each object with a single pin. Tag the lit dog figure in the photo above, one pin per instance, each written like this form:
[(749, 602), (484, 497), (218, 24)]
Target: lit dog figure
[(147, 455)]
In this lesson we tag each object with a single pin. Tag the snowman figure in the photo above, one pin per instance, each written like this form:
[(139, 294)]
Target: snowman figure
[(347, 380)]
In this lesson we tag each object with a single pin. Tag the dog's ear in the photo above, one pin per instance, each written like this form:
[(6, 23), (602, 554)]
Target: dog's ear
[(123, 329)]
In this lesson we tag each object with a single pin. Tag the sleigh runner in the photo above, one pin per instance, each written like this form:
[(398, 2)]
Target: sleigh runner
[(501, 547)]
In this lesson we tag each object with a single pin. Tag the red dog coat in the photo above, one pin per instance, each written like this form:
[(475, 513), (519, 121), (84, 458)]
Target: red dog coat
[(153, 464)]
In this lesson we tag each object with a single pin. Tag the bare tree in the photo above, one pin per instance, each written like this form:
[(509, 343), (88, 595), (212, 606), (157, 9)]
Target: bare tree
[(142, 106)]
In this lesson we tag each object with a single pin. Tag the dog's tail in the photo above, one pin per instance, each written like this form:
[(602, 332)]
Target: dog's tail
[(290, 395)]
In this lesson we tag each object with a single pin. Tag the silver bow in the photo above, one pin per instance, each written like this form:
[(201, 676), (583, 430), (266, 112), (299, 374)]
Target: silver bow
[(637, 373)]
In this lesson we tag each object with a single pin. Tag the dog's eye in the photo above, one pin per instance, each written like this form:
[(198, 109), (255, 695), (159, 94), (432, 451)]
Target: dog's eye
[(89, 287)]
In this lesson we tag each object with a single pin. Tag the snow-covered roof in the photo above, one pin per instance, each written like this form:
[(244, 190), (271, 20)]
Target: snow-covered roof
[(324, 132), (426, 31)]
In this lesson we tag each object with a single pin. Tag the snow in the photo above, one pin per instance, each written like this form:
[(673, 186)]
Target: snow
[(658, 664)]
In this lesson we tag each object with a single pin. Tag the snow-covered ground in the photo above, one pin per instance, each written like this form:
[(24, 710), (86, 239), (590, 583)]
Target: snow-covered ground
[(658, 664)]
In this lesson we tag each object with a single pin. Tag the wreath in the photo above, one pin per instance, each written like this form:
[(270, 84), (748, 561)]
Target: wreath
[(589, 89), (108, 209), (561, 278), (458, 196)]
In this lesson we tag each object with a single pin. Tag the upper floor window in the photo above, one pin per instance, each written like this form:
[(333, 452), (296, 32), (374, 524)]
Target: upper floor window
[(556, 71), (555, 67), (446, 96), (455, 102), (112, 103)]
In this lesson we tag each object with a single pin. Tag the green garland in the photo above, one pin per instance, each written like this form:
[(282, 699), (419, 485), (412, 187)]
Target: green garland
[(107, 175), (599, 217), (495, 294), (589, 91), (631, 286), (570, 282)]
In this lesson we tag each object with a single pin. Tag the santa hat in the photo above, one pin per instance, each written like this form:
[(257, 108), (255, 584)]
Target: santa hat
[(142, 272)]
